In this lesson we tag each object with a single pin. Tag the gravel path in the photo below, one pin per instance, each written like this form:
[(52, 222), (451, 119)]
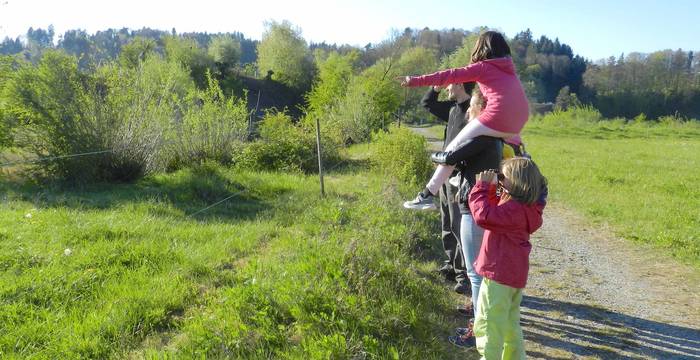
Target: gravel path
[(592, 295)]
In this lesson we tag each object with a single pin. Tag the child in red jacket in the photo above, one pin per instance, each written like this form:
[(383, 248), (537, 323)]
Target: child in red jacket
[(503, 260)]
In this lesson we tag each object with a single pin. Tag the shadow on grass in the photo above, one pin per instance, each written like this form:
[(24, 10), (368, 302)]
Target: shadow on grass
[(348, 166), (188, 191), (590, 331)]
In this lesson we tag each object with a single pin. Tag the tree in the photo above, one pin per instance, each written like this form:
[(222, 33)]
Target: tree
[(11, 47), (76, 42), (334, 75), (188, 53), (565, 99), (136, 51), (225, 51), (284, 52)]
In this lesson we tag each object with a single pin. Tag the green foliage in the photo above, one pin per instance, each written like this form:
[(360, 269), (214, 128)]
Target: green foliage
[(658, 84), (283, 146), (136, 51), (331, 85), (401, 153), (7, 71), (212, 128), (369, 105), (417, 60), (225, 51), (188, 53), (143, 105), (284, 51), (120, 113), (351, 107), (566, 100), (56, 107), (462, 56)]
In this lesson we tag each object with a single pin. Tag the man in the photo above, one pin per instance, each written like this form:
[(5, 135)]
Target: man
[(454, 112)]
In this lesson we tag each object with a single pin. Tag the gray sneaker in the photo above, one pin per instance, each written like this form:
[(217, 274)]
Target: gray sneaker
[(421, 203)]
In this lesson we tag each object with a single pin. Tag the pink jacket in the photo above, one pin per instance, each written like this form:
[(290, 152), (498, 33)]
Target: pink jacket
[(505, 251), (506, 104)]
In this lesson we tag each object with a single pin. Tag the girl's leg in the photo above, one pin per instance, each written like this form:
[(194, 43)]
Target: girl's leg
[(493, 318), (514, 345), (471, 236), (440, 176), (473, 129)]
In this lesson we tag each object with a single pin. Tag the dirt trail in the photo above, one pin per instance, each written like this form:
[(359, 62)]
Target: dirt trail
[(591, 295)]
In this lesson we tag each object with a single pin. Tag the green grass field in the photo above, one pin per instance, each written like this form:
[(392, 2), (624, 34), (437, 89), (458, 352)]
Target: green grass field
[(639, 178), (124, 271)]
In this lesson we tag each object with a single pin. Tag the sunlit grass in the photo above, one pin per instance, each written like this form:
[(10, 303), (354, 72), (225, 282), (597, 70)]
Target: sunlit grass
[(277, 271)]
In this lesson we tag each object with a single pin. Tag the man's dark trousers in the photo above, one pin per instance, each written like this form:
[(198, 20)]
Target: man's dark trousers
[(451, 217)]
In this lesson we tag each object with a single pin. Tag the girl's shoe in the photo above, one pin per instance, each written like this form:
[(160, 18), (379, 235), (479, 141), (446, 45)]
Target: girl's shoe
[(462, 341), (465, 336), (440, 157), (469, 330), (421, 203)]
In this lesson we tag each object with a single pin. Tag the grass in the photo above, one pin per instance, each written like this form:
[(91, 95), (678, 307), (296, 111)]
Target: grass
[(126, 271), (639, 178)]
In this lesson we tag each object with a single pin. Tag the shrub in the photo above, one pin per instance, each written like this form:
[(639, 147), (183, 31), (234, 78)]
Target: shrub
[(143, 105), (118, 114), (7, 65), (212, 128), (402, 153), (54, 106), (284, 146)]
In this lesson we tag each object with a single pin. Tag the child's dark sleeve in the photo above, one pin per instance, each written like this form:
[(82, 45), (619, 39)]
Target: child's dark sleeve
[(469, 149)]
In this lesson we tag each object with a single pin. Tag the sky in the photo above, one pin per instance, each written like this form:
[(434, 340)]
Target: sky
[(595, 29)]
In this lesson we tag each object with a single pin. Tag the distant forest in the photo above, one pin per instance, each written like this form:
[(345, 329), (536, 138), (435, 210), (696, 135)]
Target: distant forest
[(665, 82)]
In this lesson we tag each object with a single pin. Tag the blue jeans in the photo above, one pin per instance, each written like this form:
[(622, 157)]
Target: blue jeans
[(471, 235)]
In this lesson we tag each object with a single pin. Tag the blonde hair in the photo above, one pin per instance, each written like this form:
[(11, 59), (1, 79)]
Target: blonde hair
[(477, 104), (526, 179)]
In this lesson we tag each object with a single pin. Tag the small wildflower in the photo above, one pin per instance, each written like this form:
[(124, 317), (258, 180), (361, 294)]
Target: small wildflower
[(28, 216), (67, 252)]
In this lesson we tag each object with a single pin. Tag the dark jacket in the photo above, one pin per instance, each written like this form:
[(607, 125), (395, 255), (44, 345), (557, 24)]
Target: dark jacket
[(482, 153), (451, 112)]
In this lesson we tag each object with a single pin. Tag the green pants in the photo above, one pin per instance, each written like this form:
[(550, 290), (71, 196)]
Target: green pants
[(497, 324)]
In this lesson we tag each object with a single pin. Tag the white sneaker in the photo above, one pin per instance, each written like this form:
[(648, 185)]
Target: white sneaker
[(421, 203)]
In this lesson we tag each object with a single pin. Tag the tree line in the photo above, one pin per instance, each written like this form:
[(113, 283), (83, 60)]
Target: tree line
[(662, 83)]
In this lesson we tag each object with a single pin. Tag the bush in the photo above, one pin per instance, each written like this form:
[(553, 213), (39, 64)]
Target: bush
[(118, 114), (401, 153), (144, 103), (211, 129), (7, 65), (57, 115), (284, 146)]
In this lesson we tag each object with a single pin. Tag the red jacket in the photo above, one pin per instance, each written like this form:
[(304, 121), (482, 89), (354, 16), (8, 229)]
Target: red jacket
[(506, 104), (505, 251)]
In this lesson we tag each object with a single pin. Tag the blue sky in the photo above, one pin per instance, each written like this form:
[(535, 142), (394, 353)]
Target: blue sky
[(594, 29)]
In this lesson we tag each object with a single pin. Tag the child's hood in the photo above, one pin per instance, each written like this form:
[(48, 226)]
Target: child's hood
[(504, 64)]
